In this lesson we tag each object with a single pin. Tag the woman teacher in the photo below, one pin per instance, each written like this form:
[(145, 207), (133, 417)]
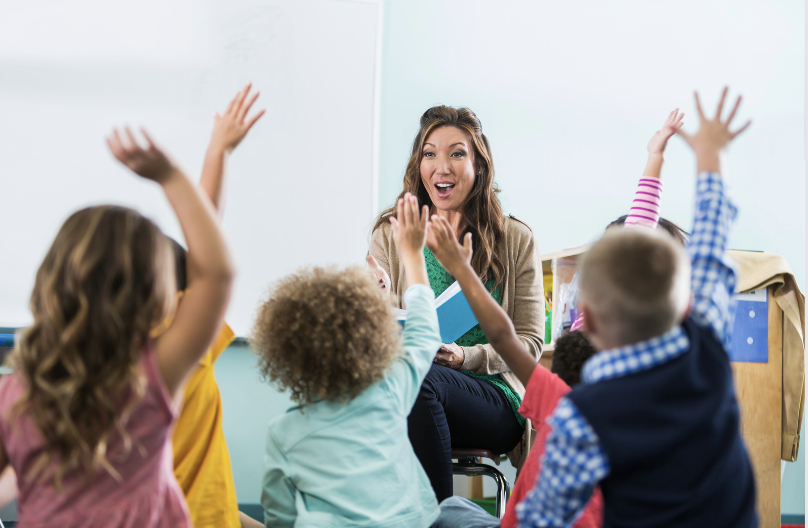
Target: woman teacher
[(469, 399)]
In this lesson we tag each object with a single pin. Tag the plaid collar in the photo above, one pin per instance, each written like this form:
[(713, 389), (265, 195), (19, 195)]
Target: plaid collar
[(630, 359)]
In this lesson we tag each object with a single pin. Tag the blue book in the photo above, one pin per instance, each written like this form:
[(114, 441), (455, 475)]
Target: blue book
[(455, 317)]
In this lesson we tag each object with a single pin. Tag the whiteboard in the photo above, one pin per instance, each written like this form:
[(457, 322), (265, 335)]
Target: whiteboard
[(301, 188)]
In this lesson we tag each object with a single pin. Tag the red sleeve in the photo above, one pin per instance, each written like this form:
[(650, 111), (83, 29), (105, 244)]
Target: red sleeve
[(542, 393)]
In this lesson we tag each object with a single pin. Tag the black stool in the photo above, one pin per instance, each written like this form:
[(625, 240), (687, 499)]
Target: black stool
[(469, 463)]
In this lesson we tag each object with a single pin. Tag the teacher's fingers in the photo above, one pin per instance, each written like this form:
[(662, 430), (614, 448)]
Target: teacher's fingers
[(373, 263)]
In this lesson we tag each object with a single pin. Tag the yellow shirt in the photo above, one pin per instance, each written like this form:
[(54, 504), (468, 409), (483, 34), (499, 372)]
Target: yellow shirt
[(201, 460)]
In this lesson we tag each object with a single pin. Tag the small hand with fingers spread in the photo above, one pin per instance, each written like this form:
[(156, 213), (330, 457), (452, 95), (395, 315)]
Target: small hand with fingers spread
[(409, 228), (660, 139), (379, 275), (150, 162), (232, 126), (713, 136), (443, 244)]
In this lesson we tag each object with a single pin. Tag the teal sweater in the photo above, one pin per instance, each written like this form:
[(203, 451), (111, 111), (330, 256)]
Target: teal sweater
[(351, 464)]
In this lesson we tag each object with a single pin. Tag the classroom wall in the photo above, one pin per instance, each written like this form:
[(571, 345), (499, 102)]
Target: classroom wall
[(474, 53)]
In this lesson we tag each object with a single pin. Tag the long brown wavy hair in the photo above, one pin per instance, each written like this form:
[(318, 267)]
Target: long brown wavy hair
[(482, 212), (106, 281)]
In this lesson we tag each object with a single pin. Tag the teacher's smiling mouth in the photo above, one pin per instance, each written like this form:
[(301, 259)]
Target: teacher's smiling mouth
[(444, 189)]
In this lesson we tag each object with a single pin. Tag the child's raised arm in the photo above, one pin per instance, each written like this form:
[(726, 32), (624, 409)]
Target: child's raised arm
[(409, 234), (713, 277), (199, 316), (648, 198), (496, 324), (228, 131), (421, 336)]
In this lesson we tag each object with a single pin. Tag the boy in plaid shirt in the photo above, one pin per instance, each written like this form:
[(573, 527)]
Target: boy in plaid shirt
[(655, 422)]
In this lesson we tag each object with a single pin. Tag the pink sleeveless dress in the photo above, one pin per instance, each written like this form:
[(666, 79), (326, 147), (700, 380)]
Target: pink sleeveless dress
[(148, 495)]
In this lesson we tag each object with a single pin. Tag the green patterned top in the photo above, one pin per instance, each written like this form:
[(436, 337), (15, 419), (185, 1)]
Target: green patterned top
[(439, 280)]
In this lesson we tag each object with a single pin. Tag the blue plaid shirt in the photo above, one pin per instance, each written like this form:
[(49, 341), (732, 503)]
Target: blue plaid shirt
[(574, 461)]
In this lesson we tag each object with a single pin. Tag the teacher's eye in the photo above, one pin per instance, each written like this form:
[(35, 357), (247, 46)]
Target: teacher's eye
[(458, 154), (429, 154)]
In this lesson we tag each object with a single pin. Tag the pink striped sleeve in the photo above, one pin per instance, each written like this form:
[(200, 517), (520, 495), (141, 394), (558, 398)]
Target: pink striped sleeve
[(579, 322), (647, 202)]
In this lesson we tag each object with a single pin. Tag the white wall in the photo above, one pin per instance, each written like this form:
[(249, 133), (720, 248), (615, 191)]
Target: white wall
[(570, 92), (72, 71)]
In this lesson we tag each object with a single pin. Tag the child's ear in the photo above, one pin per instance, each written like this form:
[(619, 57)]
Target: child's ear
[(589, 324), (687, 311)]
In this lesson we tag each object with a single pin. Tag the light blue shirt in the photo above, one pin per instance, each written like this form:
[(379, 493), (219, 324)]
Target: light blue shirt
[(351, 464)]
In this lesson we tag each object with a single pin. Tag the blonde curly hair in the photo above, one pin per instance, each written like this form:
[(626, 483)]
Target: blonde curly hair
[(325, 334), (105, 282)]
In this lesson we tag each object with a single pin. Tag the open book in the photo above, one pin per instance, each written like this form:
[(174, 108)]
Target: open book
[(455, 317)]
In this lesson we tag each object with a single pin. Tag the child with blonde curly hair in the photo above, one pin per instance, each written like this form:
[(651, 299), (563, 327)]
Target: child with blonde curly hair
[(342, 455), (86, 416)]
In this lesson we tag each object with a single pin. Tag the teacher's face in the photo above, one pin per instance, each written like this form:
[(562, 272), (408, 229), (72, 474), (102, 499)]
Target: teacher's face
[(447, 167)]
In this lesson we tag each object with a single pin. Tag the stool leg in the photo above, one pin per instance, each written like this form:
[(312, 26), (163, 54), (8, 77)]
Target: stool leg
[(503, 488)]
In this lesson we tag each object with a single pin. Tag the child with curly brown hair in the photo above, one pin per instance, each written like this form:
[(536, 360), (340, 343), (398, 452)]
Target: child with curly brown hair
[(342, 455)]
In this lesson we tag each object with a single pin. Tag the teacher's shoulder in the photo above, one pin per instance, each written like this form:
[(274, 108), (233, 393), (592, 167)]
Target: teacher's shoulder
[(517, 230), (381, 240), (519, 237)]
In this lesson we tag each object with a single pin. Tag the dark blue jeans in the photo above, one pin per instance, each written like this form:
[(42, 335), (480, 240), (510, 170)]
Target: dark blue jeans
[(456, 410)]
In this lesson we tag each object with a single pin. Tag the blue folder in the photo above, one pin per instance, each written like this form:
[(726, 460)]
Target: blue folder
[(750, 333), (455, 317)]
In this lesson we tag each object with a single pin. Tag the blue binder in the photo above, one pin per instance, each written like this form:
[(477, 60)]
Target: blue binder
[(750, 333), (455, 316)]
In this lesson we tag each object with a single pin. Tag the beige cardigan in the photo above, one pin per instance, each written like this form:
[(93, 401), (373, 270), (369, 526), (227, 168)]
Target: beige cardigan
[(758, 270), (522, 300)]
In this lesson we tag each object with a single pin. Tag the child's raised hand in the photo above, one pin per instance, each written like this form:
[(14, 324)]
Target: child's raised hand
[(660, 139), (713, 136), (443, 244), (150, 162), (409, 229), (232, 126)]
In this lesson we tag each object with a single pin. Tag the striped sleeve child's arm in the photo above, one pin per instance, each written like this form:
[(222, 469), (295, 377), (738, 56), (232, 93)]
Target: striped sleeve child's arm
[(647, 203)]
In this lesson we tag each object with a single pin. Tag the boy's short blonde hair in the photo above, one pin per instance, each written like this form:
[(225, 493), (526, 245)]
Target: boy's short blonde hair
[(325, 334), (637, 282)]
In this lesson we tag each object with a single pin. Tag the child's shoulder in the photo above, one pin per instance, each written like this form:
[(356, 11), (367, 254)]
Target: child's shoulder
[(12, 387)]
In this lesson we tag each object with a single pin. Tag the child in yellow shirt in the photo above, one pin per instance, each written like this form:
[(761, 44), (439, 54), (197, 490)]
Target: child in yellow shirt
[(201, 460)]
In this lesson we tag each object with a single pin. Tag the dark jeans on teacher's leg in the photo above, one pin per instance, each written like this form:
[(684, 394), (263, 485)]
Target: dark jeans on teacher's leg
[(456, 410)]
